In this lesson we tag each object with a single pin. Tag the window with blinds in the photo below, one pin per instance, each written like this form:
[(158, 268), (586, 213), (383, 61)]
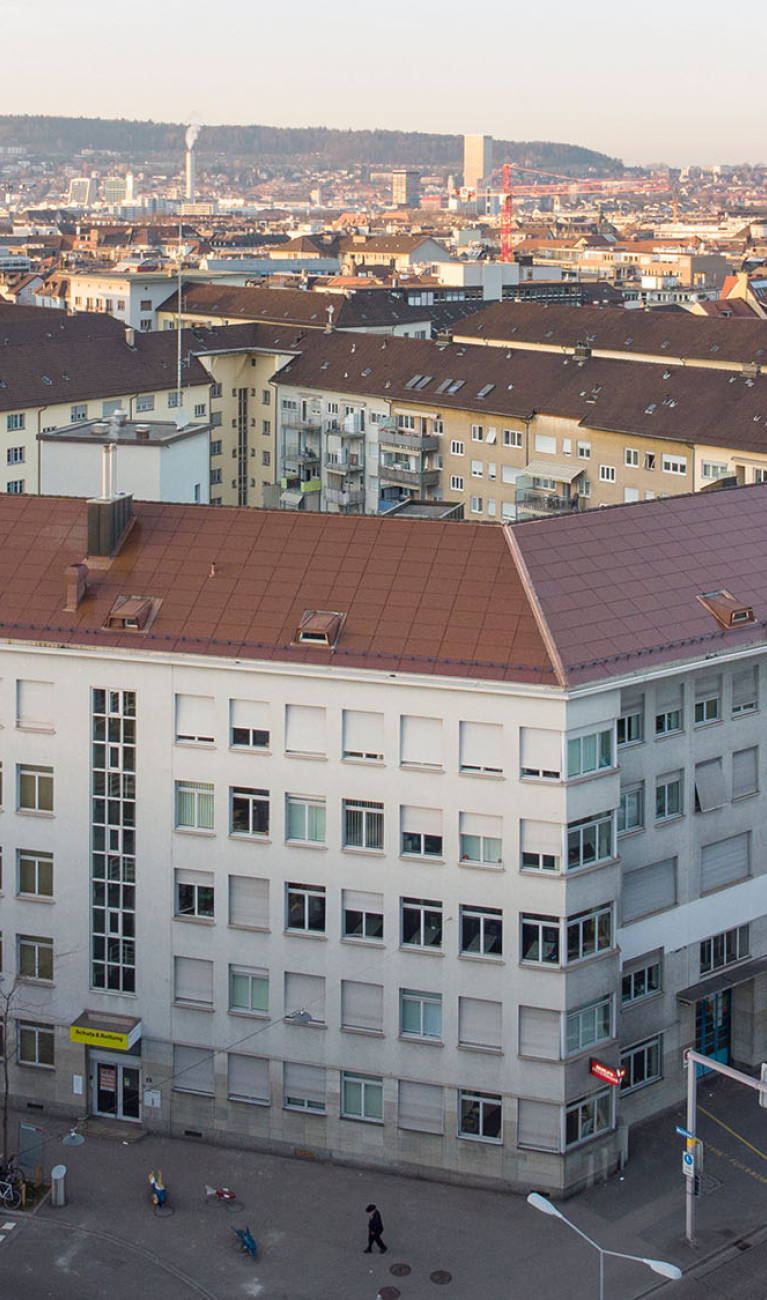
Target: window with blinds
[(363, 735), (745, 691), (481, 839), (362, 1006), (725, 862), (305, 993), (421, 743), (34, 705), (745, 772), (540, 1033), (479, 1024), (195, 719), (420, 1107), (193, 1070), (303, 1087), (248, 1079), (249, 902), (540, 754), (362, 915), (249, 724), (669, 708), (539, 1125), (710, 789), (193, 981), (649, 889), (305, 730), (421, 831), (541, 845), (481, 748)]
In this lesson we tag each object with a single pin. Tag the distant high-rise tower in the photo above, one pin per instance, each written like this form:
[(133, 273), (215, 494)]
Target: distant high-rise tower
[(477, 159), (82, 192), (404, 188)]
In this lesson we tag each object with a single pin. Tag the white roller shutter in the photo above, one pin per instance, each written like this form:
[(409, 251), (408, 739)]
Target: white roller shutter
[(479, 1023), (193, 981), (541, 837), (745, 772), (421, 742), (304, 1083), (195, 718), (540, 752), (305, 993), (362, 1006), (481, 747), (724, 863), (363, 735), (305, 729), (250, 714), (355, 900), (479, 824), (34, 705), (249, 902), (649, 889), (669, 695), (540, 1031), (420, 1107), (186, 877), (193, 1070), (745, 691), (709, 785), (421, 821), (248, 1078), (539, 1125)]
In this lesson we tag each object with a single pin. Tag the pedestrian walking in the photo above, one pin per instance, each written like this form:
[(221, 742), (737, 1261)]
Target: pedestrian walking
[(375, 1228)]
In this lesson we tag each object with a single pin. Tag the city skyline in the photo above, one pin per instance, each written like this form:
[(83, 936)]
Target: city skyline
[(590, 80)]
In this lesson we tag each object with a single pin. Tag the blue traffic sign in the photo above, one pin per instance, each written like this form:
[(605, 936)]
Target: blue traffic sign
[(685, 1133)]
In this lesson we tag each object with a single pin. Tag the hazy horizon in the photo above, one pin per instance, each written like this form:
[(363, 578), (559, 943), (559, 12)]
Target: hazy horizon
[(644, 89)]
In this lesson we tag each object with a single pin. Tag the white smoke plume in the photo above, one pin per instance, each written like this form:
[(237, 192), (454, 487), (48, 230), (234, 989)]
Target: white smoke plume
[(192, 133)]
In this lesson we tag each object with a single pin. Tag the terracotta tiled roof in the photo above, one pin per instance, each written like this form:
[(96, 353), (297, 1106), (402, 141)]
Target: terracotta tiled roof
[(294, 306), (419, 597)]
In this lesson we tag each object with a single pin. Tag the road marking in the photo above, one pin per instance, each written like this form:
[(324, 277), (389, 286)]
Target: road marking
[(737, 1164), (727, 1128)]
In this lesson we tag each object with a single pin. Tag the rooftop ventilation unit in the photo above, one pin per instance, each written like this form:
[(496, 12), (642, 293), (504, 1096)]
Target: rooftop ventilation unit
[(726, 608)]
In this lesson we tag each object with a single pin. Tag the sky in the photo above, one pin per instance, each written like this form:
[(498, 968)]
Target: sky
[(652, 83)]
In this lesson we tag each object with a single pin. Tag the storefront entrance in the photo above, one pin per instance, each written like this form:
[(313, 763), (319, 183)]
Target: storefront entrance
[(713, 1027), (116, 1088)]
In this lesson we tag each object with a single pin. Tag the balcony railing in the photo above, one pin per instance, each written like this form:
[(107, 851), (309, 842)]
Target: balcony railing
[(413, 441), (354, 497), (409, 477), (343, 464), (530, 502), (301, 456), (310, 421)]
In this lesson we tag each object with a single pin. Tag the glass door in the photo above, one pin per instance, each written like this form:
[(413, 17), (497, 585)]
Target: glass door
[(712, 1028)]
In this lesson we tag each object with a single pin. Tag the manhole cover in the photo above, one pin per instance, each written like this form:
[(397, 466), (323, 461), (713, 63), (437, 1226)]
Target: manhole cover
[(389, 1293), (441, 1277), (400, 1270)]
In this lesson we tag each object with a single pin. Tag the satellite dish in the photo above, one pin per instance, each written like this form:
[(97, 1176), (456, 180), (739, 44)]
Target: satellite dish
[(181, 418)]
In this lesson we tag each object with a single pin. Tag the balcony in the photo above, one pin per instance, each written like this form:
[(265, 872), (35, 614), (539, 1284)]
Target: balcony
[(412, 441), (533, 503), (301, 456), (338, 464), (354, 497), (311, 421), (415, 478)]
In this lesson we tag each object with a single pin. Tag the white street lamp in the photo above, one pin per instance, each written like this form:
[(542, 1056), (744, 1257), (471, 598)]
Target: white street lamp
[(657, 1265)]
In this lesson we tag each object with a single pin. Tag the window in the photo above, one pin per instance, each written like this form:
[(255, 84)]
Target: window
[(194, 805), (590, 1025), (708, 701), (304, 994), (35, 1043), (362, 1007), (78, 412), (584, 451), (589, 933), (35, 788), (745, 691), (305, 908), (649, 460), (456, 483), (457, 448), (477, 433), (420, 1014), (541, 845), (174, 399), (305, 730), (248, 724), (215, 476), (711, 469), (145, 402), (512, 437), (363, 824), (14, 422), (266, 458), (216, 447), (607, 473), (303, 1087), (640, 983), (480, 1116), (540, 754), (630, 725), (34, 957), (193, 981), (540, 939), (35, 873), (590, 840), (266, 428), (249, 902), (248, 1079), (477, 469), (421, 923), (420, 742), (674, 464), (725, 862), (305, 819), (587, 1118), (199, 410), (194, 894), (669, 717), (362, 1097), (363, 735), (479, 1024), (481, 748), (710, 790), (421, 832), (420, 1107), (481, 931), (249, 811), (248, 990), (668, 796), (362, 915), (15, 455), (631, 457), (193, 1070), (545, 443), (475, 505), (641, 1064), (724, 949), (631, 809), (194, 719), (648, 889), (591, 753), (745, 772)]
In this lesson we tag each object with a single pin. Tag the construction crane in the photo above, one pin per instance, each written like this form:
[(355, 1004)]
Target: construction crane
[(507, 225)]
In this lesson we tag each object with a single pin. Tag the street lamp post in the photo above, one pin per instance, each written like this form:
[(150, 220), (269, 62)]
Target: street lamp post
[(657, 1265)]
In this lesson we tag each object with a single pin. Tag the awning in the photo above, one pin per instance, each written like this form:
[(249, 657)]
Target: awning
[(725, 979), (551, 469), (293, 499), (97, 1029)]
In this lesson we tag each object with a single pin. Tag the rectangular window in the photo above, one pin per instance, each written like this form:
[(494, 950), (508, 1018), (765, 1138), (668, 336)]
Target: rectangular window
[(34, 706), (215, 477), (421, 923), (545, 443), (420, 1014), (642, 982), (303, 1087), (194, 719), (668, 796), (304, 998), (540, 754), (78, 412), (590, 840), (457, 448), (249, 902), (540, 939), (589, 1025), (481, 931), (649, 460), (216, 447), (35, 874), (456, 483), (305, 908), (708, 700), (648, 889), (362, 915), (477, 433), (248, 990), (34, 957), (362, 735), (592, 753), (421, 832), (475, 505), (630, 725), (711, 469), (420, 742), (541, 845), (674, 464), (362, 1007), (145, 402), (512, 437), (420, 1107), (641, 1064), (199, 410), (480, 1024), (249, 812), (481, 748), (248, 1079), (15, 455), (589, 933), (607, 473), (248, 724), (193, 1070), (35, 788), (745, 691), (710, 790), (587, 1118), (193, 981), (304, 819), (481, 839), (194, 894), (724, 949), (363, 824), (362, 1097), (34, 1043), (631, 457), (725, 862), (584, 451), (174, 400), (477, 469), (631, 809), (194, 805), (14, 422), (480, 1116), (305, 730), (745, 772)]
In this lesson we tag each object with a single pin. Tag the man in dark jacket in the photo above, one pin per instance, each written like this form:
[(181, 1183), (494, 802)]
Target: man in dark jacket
[(375, 1228)]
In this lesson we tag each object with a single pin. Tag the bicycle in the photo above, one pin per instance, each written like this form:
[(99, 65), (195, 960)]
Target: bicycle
[(10, 1192)]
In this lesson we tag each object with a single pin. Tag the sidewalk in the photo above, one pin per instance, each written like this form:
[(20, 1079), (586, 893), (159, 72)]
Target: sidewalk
[(310, 1223)]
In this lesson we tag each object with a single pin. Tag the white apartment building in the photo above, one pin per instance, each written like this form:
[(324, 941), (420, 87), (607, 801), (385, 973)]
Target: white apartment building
[(373, 838)]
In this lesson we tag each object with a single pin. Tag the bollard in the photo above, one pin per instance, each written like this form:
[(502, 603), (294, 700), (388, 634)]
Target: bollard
[(59, 1186)]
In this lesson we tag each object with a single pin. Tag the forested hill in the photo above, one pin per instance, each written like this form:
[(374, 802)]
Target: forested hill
[(66, 136)]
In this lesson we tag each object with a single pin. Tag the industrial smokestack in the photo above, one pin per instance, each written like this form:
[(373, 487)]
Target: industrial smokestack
[(190, 138)]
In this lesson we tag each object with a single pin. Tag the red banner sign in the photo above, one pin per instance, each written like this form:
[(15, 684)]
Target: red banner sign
[(607, 1073)]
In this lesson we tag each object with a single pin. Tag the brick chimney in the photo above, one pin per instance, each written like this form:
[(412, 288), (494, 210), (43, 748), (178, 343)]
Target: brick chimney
[(76, 576)]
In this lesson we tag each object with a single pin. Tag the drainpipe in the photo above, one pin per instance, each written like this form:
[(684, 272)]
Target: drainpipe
[(40, 449)]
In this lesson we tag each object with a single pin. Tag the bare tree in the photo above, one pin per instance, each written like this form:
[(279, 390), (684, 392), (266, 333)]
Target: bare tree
[(8, 997)]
